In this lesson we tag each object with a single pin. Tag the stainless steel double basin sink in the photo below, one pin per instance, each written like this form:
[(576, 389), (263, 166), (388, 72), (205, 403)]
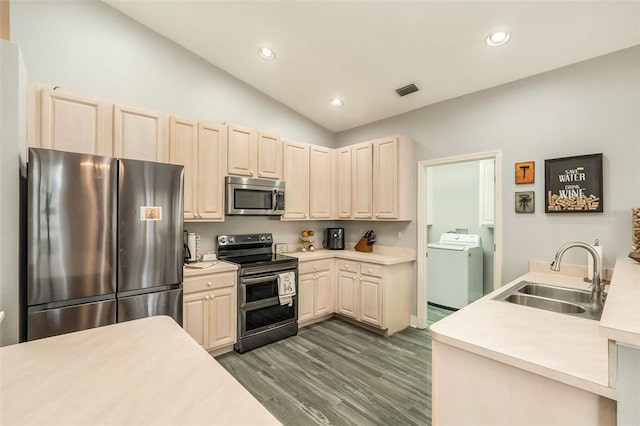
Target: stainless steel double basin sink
[(552, 298)]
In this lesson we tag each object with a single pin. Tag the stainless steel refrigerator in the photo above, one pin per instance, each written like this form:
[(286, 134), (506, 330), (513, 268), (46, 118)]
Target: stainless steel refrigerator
[(104, 241)]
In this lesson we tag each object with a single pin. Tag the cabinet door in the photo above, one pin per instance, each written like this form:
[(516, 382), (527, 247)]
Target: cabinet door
[(183, 137), (296, 176), (306, 291), (269, 156), (76, 123), (323, 294), (362, 193), (241, 151), (211, 166), (222, 317), (319, 182), (195, 317), (343, 189), (140, 134), (348, 294), (385, 178), (371, 300), (487, 180)]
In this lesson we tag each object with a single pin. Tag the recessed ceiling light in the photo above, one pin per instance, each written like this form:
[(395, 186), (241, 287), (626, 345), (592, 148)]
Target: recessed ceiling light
[(336, 102), (266, 53), (498, 38)]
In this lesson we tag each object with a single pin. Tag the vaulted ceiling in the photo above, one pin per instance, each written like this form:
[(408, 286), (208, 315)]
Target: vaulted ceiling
[(361, 51)]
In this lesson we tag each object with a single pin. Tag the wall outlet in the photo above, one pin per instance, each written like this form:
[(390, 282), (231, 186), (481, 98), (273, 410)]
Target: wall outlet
[(400, 235)]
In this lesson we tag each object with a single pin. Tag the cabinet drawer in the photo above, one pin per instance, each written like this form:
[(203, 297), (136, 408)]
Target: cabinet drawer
[(315, 266), (371, 269), (347, 265), (209, 282)]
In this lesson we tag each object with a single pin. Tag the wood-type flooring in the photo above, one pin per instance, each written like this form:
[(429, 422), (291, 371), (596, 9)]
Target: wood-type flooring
[(334, 373)]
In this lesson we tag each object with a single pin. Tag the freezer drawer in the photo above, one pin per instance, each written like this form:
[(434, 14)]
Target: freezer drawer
[(51, 322), (149, 304)]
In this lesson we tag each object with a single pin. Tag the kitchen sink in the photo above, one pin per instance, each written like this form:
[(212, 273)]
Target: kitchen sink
[(565, 294), (552, 298), (546, 304)]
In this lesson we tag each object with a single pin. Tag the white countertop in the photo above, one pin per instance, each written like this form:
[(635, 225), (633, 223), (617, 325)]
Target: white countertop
[(382, 255), (558, 346), (148, 371), (621, 316), (219, 266)]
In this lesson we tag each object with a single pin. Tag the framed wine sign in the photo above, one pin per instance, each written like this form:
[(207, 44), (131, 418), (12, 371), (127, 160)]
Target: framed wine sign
[(573, 184)]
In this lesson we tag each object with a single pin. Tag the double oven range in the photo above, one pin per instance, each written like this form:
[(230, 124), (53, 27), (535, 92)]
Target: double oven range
[(261, 317)]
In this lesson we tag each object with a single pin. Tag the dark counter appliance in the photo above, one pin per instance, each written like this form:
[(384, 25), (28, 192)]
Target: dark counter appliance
[(334, 239)]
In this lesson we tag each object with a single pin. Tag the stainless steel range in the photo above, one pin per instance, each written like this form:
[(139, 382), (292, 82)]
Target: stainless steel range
[(262, 319)]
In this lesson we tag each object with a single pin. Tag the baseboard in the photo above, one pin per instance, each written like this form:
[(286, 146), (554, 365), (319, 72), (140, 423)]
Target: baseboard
[(414, 321)]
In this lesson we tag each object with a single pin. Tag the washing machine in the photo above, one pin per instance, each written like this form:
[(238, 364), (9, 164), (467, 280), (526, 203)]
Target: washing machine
[(454, 270)]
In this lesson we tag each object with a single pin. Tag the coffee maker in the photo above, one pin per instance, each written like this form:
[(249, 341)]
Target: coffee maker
[(334, 239)]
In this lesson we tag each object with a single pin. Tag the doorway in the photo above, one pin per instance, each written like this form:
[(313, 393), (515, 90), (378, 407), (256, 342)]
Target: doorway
[(428, 172)]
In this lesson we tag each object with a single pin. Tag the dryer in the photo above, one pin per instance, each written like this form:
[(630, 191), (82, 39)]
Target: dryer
[(454, 270)]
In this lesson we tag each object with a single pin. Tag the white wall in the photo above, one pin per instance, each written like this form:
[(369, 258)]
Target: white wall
[(585, 108), (456, 199), (12, 142), (88, 47)]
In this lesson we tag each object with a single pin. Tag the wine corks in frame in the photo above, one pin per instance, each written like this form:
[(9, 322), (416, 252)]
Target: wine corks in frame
[(574, 184)]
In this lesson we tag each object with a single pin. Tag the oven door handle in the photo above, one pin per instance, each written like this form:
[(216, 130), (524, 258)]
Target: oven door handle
[(258, 280)]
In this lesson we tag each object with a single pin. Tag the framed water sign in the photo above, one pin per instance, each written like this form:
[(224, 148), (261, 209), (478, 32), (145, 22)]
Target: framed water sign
[(573, 184)]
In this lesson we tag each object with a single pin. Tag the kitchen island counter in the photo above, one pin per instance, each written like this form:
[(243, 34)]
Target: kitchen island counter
[(147, 371), (561, 347)]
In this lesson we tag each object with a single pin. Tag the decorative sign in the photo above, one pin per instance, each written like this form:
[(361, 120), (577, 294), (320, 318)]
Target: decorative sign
[(525, 172), (150, 213), (525, 202), (573, 184)]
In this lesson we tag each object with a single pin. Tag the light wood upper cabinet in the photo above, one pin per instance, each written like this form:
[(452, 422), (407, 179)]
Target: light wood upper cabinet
[(140, 134), (72, 122), (375, 180), (212, 154), (320, 182), (241, 151), (385, 178), (269, 156), (343, 186), (252, 153), (362, 181), (183, 137), (296, 176), (201, 148)]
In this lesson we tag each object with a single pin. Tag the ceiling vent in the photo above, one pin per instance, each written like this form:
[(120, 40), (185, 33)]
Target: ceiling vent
[(404, 91)]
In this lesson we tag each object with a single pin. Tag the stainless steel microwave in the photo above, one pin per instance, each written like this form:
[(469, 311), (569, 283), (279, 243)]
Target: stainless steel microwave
[(251, 196)]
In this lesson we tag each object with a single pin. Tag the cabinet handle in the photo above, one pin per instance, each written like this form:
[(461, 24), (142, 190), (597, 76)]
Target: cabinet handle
[(369, 270), (361, 279), (206, 297), (210, 283), (315, 267), (346, 266), (251, 172)]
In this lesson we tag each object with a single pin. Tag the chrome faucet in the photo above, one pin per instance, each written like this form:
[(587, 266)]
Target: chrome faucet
[(597, 295)]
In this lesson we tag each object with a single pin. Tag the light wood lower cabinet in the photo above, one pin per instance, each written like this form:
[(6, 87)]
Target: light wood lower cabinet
[(376, 295), (209, 310), (316, 299)]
